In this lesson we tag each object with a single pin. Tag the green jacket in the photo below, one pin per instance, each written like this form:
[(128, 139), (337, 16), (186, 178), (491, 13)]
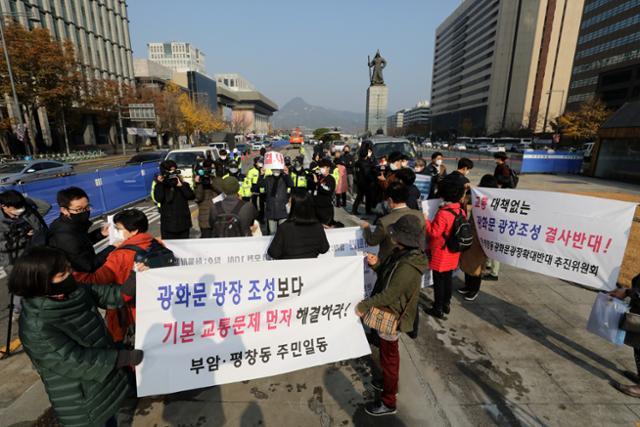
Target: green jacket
[(68, 343), (401, 280)]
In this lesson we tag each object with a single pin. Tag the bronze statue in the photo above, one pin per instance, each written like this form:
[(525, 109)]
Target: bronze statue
[(377, 65)]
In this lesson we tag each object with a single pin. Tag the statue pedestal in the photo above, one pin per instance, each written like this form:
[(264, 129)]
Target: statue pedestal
[(376, 115)]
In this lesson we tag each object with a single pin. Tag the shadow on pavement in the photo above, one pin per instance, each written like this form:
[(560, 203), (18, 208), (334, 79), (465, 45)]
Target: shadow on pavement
[(506, 315)]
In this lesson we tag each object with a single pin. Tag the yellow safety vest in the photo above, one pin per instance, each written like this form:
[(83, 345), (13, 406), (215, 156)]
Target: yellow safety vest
[(299, 180), (153, 188), (336, 176), (245, 188)]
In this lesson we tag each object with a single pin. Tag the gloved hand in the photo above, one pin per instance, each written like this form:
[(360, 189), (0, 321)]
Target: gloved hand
[(129, 286), (129, 358)]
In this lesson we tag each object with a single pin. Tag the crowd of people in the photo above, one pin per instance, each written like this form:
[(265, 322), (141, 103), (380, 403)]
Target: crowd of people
[(59, 281)]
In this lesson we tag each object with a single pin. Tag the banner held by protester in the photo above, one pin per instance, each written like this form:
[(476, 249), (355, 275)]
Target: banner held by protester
[(201, 326), (556, 234), (240, 250)]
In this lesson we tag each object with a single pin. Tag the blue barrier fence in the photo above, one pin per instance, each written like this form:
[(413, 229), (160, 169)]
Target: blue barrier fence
[(558, 162), (108, 189)]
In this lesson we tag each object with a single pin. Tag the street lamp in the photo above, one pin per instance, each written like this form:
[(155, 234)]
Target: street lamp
[(16, 103)]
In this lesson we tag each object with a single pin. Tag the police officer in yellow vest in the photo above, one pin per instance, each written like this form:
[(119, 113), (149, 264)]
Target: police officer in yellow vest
[(299, 175)]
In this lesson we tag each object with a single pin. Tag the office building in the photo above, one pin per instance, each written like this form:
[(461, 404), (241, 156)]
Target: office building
[(395, 121), (235, 82), (503, 65), (98, 29), (150, 74), (418, 115), (179, 56), (607, 59)]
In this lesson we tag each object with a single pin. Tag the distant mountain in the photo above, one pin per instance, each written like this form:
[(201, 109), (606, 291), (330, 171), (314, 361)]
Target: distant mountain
[(297, 113)]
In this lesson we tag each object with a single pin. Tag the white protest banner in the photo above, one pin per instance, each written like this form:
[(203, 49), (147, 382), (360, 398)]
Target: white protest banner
[(241, 250), (205, 325), (575, 238)]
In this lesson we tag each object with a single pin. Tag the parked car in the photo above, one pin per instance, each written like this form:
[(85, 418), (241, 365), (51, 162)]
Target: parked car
[(483, 148), (186, 158), (497, 149), (32, 170), (150, 156), (460, 147), (383, 146), (219, 146), (257, 146)]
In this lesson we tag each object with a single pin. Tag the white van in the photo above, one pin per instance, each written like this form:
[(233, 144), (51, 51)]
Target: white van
[(186, 158)]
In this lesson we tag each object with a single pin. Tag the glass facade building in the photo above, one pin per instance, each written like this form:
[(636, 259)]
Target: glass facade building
[(98, 28), (607, 60)]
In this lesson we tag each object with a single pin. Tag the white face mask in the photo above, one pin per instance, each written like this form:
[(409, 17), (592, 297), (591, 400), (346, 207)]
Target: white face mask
[(233, 170), (223, 157), (394, 167), (276, 173), (439, 162), (259, 165), (19, 212), (119, 234)]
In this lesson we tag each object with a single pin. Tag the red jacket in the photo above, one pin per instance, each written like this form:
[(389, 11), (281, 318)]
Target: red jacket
[(117, 269), (442, 259)]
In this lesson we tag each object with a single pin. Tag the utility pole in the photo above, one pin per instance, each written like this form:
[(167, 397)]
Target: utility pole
[(122, 137)]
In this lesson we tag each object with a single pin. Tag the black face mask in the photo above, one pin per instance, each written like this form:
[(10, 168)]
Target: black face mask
[(65, 287), (80, 218)]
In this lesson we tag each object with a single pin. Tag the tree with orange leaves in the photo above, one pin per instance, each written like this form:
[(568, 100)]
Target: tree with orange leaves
[(45, 72)]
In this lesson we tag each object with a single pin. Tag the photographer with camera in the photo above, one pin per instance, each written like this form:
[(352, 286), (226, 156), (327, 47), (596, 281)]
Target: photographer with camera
[(21, 228), (174, 195), (206, 187)]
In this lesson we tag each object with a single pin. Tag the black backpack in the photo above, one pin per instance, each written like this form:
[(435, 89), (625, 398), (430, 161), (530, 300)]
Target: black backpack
[(513, 178), (155, 256), (461, 237), (227, 224)]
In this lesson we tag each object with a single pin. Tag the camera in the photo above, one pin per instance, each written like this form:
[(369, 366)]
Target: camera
[(205, 173), (17, 236), (168, 176)]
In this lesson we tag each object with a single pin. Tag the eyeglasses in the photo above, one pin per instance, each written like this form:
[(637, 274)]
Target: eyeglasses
[(80, 210)]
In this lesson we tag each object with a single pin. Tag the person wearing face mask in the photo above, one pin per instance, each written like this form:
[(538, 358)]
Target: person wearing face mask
[(21, 227), (349, 164), (325, 187), (461, 174), (365, 178), (174, 195), (132, 226), (84, 374), (299, 176), (396, 197), (222, 164), (206, 187), (275, 187), (437, 171), (70, 231), (253, 175), (394, 164)]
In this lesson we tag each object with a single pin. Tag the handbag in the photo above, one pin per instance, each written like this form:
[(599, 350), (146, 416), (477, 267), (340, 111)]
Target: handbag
[(631, 323), (384, 319)]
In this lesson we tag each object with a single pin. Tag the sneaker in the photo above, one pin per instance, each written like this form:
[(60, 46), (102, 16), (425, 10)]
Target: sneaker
[(378, 409), (471, 296), (463, 291), (376, 385)]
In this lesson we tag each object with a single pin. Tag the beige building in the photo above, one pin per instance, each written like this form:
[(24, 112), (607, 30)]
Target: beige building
[(503, 65)]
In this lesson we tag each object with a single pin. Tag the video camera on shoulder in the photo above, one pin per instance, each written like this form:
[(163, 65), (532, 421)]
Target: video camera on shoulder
[(204, 171)]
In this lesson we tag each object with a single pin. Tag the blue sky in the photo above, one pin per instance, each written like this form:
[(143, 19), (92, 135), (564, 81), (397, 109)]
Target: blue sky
[(313, 49)]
